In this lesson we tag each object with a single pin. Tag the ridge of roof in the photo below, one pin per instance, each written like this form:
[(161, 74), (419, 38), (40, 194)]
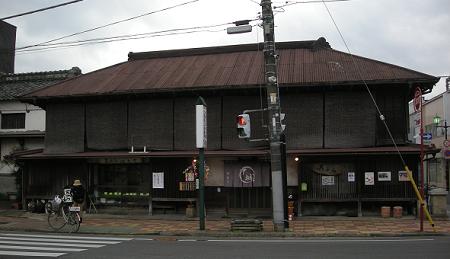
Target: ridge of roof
[(320, 43), (40, 76)]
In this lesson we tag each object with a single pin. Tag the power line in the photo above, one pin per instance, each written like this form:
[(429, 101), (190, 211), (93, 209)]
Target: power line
[(289, 3), (64, 46), (109, 24), (40, 10), (177, 31)]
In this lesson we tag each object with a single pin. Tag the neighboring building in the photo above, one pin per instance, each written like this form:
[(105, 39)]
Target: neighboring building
[(437, 165), (345, 162), (7, 47), (22, 125)]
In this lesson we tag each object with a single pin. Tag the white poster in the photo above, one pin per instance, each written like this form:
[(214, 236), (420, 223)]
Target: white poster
[(351, 176), (384, 176), (158, 180), (369, 178), (327, 180), (403, 176)]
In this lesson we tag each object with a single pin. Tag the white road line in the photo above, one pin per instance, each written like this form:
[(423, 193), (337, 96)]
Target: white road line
[(143, 239), (58, 249), (187, 240), (69, 237), (49, 244), (31, 253), (318, 241), (60, 240)]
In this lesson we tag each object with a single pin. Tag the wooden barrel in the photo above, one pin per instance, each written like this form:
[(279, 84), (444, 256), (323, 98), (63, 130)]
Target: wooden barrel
[(385, 212), (397, 211)]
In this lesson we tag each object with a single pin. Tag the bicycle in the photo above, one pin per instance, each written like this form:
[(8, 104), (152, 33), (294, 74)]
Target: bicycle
[(61, 213)]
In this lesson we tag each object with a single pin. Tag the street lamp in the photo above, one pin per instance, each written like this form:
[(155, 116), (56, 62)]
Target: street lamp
[(437, 121)]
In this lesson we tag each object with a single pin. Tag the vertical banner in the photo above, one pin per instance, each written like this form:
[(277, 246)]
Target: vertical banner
[(200, 124)]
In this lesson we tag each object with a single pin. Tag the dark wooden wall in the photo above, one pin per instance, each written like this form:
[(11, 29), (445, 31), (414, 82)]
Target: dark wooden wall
[(315, 119), (65, 124), (351, 191)]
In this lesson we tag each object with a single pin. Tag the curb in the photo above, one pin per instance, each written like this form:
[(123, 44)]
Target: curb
[(262, 235)]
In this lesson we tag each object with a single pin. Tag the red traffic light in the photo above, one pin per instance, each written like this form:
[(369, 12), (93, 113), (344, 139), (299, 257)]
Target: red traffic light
[(241, 120)]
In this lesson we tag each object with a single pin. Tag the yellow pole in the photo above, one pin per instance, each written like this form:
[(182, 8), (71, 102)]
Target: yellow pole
[(422, 203)]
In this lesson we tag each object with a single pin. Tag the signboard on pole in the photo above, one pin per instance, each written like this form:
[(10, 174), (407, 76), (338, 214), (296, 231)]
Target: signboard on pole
[(427, 137), (446, 149), (200, 123)]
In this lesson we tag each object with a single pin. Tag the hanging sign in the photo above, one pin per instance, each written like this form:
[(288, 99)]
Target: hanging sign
[(158, 180), (369, 178), (327, 180), (403, 176), (351, 176), (384, 176)]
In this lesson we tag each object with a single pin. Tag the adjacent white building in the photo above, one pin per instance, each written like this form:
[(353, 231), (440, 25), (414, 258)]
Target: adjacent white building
[(22, 126)]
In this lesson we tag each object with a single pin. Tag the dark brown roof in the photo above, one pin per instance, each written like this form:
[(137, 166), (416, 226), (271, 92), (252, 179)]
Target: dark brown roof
[(15, 85), (302, 63)]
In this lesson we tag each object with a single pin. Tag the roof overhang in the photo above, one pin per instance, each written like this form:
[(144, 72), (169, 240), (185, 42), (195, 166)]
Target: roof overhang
[(405, 150)]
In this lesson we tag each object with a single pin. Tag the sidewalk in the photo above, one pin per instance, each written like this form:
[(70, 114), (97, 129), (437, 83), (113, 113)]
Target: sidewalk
[(178, 225)]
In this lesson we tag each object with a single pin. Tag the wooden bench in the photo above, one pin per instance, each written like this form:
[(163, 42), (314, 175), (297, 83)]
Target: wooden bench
[(169, 203)]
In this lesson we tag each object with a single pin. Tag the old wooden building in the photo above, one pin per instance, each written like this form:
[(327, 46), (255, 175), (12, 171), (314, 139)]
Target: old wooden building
[(339, 154)]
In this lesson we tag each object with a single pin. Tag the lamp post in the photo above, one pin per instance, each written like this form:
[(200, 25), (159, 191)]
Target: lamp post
[(437, 121)]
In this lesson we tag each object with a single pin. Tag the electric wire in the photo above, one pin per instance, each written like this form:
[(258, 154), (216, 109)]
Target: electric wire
[(109, 24), (124, 37), (108, 41), (289, 3), (40, 10), (382, 118), (169, 32)]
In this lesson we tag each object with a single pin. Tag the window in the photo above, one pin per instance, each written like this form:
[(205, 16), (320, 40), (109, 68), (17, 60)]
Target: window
[(13, 120)]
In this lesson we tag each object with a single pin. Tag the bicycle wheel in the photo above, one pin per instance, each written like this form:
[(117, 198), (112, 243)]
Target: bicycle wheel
[(73, 222), (56, 219)]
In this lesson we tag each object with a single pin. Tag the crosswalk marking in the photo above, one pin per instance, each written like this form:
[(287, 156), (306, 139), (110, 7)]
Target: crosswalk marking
[(60, 249), (66, 236), (31, 254), (40, 245), (61, 240), (48, 244)]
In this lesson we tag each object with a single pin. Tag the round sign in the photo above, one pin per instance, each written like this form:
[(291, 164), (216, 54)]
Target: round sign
[(247, 175), (417, 99), (446, 143)]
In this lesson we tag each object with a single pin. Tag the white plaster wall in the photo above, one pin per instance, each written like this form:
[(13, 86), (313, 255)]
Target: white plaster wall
[(7, 184), (34, 118)]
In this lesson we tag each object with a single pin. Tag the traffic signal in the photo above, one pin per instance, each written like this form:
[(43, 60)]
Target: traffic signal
[(243, 125)]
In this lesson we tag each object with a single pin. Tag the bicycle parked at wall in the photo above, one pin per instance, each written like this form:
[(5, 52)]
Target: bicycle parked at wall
[(62, 213)]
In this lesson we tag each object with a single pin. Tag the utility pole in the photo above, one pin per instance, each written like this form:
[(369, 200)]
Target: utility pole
[(274, 125)]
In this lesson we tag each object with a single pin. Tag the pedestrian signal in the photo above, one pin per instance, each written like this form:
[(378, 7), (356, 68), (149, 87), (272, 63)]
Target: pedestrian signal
[(243, 126)]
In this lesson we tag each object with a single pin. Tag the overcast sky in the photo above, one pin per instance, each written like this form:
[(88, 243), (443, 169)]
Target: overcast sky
[(410, 33)]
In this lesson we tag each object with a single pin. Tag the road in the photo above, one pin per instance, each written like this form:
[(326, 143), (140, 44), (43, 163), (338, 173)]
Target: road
[(40, 245)]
